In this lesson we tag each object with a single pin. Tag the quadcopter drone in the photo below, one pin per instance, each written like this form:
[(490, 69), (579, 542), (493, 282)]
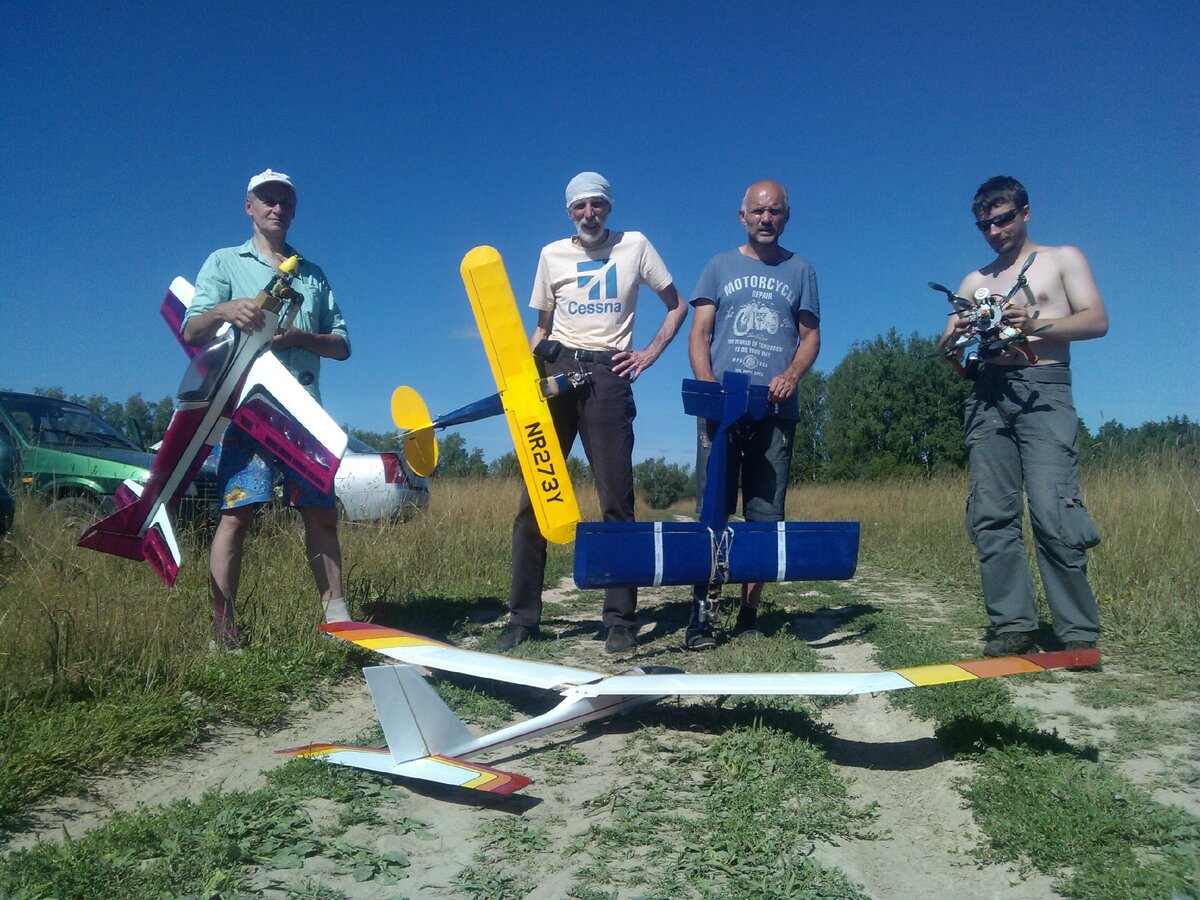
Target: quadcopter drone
[(986, 326)]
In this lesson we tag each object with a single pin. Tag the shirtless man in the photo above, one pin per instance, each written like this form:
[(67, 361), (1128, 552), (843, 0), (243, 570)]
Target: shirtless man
[(1020, 429)]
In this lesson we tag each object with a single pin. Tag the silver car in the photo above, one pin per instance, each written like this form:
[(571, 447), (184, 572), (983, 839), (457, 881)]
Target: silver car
[(371, 484)]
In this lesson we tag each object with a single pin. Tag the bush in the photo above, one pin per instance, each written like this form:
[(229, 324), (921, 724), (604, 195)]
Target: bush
[(661, 483)]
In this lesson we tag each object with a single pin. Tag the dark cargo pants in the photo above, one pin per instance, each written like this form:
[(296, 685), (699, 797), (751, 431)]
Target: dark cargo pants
[(1021, 430), (601, 414)]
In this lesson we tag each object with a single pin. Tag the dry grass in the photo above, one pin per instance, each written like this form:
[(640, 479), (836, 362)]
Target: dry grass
[(1146, 571), (72, 620)]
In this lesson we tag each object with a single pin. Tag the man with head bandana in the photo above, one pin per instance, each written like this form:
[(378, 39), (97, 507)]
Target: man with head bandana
[(585, 292)]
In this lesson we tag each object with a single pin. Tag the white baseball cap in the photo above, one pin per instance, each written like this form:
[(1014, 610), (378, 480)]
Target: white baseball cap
[(267, 177)]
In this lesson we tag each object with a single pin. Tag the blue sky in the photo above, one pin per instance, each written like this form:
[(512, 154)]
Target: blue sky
[(417, 132)]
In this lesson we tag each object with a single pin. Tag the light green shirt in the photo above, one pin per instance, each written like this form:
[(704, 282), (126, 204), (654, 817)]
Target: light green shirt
[(242, 272)]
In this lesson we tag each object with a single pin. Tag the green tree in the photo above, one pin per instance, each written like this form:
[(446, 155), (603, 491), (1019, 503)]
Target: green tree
[(1115, 441), (661, 483), (578, 470), (888, 396), (808, 451), (380, 440), (456, 461), (505, 466)]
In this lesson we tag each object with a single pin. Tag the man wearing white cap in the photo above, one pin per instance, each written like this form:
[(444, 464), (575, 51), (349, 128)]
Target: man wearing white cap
[(247, 471), (585, 292)]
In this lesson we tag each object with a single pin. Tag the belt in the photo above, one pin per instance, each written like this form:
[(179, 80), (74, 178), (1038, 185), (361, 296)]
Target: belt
[(1052, 373), (593, 356)]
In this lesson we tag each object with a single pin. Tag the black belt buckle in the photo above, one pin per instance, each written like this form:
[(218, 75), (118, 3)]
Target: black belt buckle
[(592, 356)]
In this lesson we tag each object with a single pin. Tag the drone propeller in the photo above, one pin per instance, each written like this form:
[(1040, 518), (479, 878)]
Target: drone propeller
[(960, 304)]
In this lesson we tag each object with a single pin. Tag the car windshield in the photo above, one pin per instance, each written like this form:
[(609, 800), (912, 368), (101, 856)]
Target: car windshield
[(50, 422)]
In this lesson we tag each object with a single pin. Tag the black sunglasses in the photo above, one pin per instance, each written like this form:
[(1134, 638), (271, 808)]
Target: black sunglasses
[(999, 221)]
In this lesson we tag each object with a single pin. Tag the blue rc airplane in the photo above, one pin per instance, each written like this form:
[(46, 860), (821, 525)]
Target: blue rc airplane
[(714, 551)]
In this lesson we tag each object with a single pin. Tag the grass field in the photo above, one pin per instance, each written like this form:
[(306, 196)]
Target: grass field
[(101, 666)]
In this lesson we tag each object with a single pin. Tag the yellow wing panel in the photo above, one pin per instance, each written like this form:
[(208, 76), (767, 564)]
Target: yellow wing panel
[(498, 319), (923, 676), (538, 451)]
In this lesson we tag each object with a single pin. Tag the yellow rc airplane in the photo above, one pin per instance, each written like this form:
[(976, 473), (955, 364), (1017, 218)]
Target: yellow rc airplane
[(522, 399)]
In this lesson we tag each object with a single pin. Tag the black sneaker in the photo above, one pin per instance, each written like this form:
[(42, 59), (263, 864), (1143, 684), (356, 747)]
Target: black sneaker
[(514, 634), (701, 638), (747, 624), (620, 638), (1082, 645), (1009, 643)]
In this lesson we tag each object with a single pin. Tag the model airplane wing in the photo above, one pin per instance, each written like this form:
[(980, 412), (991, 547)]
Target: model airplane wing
[(834, 683), (538, 451), (421, 651), (713, 551), (272, 407), (282, 416), (438, 769)]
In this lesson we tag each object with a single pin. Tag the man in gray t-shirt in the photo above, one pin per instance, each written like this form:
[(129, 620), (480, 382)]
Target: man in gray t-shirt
[(758, 313)]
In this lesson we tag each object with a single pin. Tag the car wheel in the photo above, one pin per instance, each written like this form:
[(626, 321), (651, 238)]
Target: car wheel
[(75, 512)]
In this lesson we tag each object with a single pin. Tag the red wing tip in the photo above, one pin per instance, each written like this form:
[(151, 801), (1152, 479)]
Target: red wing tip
[(1059, 659), (499, 781), (514, 784)]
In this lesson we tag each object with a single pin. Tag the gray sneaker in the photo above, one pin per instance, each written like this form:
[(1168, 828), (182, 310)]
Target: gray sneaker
[(620, 638), (514, 634), (1009, 643)]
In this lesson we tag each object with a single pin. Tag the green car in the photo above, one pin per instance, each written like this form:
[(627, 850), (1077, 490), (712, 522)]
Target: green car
[(66, 454)]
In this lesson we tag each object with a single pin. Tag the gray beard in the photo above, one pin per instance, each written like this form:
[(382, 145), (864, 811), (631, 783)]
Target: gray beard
[(588, 240)]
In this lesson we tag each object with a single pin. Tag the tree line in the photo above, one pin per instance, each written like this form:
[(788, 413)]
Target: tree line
[(888, 410)]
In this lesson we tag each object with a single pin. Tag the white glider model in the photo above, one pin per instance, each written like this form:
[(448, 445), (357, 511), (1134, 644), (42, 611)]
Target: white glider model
[(425, 740)]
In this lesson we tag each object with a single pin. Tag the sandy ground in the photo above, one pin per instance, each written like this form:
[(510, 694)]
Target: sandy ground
[(886, 755)]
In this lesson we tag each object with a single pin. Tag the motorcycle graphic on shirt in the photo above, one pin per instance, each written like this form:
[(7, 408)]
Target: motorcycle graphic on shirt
[(755, 316)]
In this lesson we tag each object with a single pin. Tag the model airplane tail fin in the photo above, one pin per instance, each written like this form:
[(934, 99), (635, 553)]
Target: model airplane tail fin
[(411, 416), (422, 737), (416, 722), (121, 534)]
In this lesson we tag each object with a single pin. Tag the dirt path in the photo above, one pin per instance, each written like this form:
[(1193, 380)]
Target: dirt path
[(893, 759), (889, 758)]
